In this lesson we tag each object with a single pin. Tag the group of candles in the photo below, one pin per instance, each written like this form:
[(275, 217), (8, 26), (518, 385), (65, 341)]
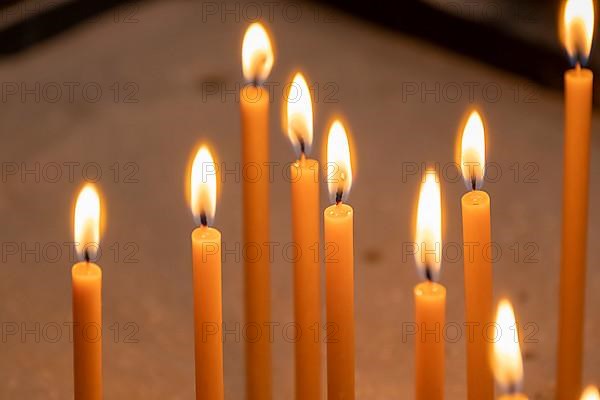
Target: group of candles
[(485, 360)]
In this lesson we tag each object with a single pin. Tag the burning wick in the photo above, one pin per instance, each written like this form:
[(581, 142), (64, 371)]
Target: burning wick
[(338, 196), (474, 182), (86, 255), (203, 219), (428, 273)]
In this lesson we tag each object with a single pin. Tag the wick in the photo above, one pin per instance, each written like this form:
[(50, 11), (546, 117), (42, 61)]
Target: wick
[(338, 196), (302, 145), (578, 66), (512, 388), (474, 183), (203, 219), (428, 273), (86, 256)]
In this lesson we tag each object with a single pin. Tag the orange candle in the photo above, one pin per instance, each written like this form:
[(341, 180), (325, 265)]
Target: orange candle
[(257, 60), (578, 18), (430, 297), (477, 238), (507, 360), (304, 175), (206, 252), (339, 265), (590, 393), (87, 298)]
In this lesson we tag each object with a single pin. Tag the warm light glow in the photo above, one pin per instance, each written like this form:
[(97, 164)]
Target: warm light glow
[(428, 238), (508, 363), (203, 187), (578, 28), (300, 115), (339, 166), (590, 393), (87, 223), (472, 159), (257, 54)]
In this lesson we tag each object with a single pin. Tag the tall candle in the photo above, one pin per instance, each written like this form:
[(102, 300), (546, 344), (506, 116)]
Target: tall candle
[(257, 60), (430, 296), (87, 298), (507, 359), (477, 261), (339, 265), (206, 252), (304, 175), (578, 28)]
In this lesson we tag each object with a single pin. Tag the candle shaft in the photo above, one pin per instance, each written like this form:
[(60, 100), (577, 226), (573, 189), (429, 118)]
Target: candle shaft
[(307, 278), (87, 330), (578, 104), (430, 316), (206, 255), (339, 265), (479, 308), (255, 173)]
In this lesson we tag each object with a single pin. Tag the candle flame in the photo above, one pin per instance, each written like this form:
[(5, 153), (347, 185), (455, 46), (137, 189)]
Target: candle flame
[(590, 393), (257, 54), (300, 115), (428, 236), (508, 363), (87, 223), (203, 187), (578, 29), (472, 160), (339, 166)]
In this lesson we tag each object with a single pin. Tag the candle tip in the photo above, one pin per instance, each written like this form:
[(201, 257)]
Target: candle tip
[(203, 219), (428, 273), (339, 196)]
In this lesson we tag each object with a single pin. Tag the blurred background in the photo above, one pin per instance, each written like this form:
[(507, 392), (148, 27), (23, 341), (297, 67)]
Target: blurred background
[(120, 92)]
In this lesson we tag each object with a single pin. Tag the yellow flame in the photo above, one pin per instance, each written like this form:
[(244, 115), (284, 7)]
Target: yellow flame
[(472, 159), (86, 222), (257, 54), (339, 166), (590, 393), (203, 186), (578, 27), (300, 114), (508, 363), (428, 237)]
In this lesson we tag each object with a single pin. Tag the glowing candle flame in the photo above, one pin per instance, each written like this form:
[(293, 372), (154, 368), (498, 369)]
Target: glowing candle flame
[(472, 160), (508, 363), (203, 187), (428, 236), (339, 166), (300, 115), (578, 29), (87, 223), (257, 54), (590, 393)]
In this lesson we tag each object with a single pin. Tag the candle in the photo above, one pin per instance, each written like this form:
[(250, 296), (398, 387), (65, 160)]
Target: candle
[(257, 60), (430, 296), (507, 360), (578, 19), (206, 252), (477, 261), (339, 265), (305, 233), (87, 298), (590, 393)]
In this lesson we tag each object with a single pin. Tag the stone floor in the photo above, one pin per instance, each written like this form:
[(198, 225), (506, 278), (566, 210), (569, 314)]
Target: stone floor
[(129, 94)]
